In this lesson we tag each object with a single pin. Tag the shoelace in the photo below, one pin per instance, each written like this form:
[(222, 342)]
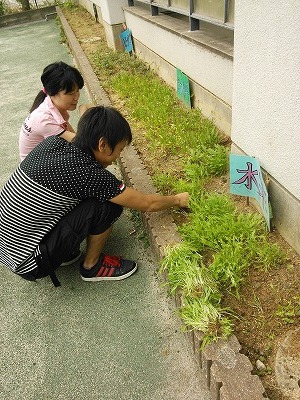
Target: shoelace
[(111, 261)]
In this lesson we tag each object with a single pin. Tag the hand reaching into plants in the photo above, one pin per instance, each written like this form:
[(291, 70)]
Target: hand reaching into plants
[(140, 201), (183, 199)]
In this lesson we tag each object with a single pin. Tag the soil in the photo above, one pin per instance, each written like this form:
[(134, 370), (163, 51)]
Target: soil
[(259, 330)]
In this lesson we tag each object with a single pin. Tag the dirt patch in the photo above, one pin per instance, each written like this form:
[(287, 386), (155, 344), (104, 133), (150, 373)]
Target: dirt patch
[(268, 301)]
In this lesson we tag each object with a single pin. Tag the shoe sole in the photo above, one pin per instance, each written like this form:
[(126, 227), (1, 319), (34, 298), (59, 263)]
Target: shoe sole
[(64, 264), (110, 278)]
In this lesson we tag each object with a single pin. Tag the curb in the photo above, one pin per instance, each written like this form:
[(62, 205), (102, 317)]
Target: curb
[(227, 371)]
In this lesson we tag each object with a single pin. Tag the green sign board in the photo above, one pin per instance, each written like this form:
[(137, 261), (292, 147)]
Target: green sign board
[(183, 88)]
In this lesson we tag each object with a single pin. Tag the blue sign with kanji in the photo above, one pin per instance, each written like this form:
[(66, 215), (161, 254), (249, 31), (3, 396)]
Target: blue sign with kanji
[(246, 180)]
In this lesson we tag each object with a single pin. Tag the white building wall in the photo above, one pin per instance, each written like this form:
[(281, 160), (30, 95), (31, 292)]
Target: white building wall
[(266, 87), (208, 69), (112, 15)]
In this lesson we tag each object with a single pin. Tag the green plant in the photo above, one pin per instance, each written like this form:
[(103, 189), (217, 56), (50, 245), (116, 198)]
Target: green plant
[(163, 182), (207, 318), (4, 9), (186, 272), (200, 295), (67, 3), (139, 227), (289, 311), (235, 242), (62, 36)]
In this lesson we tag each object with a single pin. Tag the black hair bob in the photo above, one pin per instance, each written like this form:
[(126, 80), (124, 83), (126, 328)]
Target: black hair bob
[(56, 77)]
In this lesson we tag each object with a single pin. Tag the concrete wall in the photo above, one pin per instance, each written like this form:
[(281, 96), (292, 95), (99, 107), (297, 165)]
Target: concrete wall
[(266, 101), (157, 41), (111, 16), (28, 16), (202, 65)]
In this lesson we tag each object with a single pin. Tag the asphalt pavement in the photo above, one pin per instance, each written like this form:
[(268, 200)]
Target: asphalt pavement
[(106, 340)]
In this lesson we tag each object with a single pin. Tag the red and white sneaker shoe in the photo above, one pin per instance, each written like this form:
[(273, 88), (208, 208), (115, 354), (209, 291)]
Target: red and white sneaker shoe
[(109, 268)]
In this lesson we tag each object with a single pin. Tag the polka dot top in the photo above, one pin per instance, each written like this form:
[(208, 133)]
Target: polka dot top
[(63, 168), (49, 183)]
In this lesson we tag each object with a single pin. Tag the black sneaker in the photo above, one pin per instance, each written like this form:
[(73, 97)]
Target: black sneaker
[(109, 268), (74, 257)]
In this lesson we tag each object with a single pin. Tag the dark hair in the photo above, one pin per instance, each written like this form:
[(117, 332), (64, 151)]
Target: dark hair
[(56, 77), (101, 122)]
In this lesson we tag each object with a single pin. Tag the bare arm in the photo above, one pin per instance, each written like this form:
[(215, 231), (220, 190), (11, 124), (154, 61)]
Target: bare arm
[(68, 135), (140, 201)]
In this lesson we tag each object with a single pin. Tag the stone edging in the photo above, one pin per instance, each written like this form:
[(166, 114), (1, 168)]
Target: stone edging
[(227, 371)]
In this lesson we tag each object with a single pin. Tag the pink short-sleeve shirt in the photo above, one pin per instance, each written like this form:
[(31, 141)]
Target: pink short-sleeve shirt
[(44, 121)]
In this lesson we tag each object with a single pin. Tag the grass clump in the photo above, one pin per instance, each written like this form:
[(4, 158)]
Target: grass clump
[(169, 127), (219, 246), (3, 8), (201, 298)]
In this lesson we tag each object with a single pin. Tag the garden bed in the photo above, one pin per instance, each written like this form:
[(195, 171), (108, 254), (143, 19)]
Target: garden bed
[(268, 303)]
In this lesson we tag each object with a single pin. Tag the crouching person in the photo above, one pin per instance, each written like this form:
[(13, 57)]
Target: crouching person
[(62, 193)]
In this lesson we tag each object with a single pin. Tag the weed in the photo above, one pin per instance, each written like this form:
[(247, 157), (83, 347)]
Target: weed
[(9, 8), (206, 317), (290, 311), (70, 4), (139, 227), (2, 7)]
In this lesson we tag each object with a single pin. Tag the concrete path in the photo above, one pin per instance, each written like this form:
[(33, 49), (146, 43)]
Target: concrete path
[(82, 341)]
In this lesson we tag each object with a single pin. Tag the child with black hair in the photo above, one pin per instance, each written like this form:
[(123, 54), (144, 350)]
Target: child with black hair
[(62, 193), (49, 113)]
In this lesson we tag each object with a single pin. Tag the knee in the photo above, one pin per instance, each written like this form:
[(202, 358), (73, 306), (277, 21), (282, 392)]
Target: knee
[(111, 211), (116, 209), (105, 214)]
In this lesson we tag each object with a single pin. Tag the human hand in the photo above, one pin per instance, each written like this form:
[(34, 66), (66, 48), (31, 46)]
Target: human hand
[(183, 199)]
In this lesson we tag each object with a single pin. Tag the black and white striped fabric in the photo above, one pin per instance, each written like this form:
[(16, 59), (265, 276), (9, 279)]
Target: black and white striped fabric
[(48, 184)]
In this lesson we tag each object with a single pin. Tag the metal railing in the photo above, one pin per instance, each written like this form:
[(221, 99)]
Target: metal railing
[(216, 12)]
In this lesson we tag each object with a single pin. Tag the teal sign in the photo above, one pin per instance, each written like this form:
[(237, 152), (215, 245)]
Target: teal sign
[(183, 88), (246, 180)]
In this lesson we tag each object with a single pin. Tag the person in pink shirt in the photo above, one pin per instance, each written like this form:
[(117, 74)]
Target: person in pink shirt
[(49, 114)]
